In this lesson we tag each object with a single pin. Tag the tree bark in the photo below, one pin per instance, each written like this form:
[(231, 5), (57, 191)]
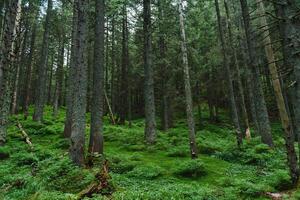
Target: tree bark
[(187, 86), (71, 74), (7, 59), (124, 69), (150, 127), (42, 68), (260, 104), (232, 99), (290, 32), (96, 134)]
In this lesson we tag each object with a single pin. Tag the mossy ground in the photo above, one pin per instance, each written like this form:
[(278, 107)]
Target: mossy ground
[(162, 171)]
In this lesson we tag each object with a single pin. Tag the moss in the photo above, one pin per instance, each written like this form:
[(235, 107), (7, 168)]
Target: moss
[(191, 169)]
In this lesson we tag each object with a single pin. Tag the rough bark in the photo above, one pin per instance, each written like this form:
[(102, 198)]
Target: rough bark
[(150, 124), (96, 134), (28, 77), (290, 32), (71, 74), (240, 91), (124, 69), (79, 87), (42, 69), (187, 86), (232, 99), (59, 77), (7, 59), (260, 104)]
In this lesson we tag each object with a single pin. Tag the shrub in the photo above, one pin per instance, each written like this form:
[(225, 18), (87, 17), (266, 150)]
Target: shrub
[(207, 149), (191, 169), (177, 153), (26, 159), (122, 167), (148, 172)]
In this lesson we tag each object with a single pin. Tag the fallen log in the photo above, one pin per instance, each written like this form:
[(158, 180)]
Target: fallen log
[(25, 135)]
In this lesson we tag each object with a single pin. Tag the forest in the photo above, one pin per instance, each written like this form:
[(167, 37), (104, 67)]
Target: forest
[(149, 99)]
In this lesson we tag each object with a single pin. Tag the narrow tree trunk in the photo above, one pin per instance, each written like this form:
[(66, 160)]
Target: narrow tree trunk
[(260, 104), (150, 128), (240, 95), (59, 76), (165, 124), (50, 68), (29, 68), (187, 86), (233, 107), (71, 74), (96, 134), (42, 69), (124, 69)]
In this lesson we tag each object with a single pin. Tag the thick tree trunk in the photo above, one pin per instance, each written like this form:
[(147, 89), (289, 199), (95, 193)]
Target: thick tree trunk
[(187, 86), (260, 104), (232, 99), (7, 49), (290, 32), (42, 69), (79, 86), (150, 128), (96, 134)]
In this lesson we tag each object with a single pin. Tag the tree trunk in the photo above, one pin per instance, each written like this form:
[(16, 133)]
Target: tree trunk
[(260, 104), (71, 74), (7, 49), (59, 76), (96, 134), (79, 86), (150, 128), (233, 107), (290, 32), (187, 86), (124, 69), (240, 90), (29, 67), (42, 69)]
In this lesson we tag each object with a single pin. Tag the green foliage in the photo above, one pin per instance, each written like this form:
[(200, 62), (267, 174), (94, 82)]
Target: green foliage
[(190, 169), (148, 172), (138, 171)]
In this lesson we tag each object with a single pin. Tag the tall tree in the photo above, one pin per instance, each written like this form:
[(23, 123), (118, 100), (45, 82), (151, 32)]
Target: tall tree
[(187, 85), (42, 68), (6, 63), (232, 99), (79, 86), (124, 68), (71, 74), (288, 12), (96, 134), (150, 128), (260, 104)]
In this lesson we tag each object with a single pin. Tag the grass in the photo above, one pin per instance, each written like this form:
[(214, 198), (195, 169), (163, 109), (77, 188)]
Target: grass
[(138, 171)]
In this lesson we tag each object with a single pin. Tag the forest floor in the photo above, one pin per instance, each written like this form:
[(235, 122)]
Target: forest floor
[(162, 171)]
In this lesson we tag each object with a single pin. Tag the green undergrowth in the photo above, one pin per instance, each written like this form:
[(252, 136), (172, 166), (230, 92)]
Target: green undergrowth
[(161, 171)]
